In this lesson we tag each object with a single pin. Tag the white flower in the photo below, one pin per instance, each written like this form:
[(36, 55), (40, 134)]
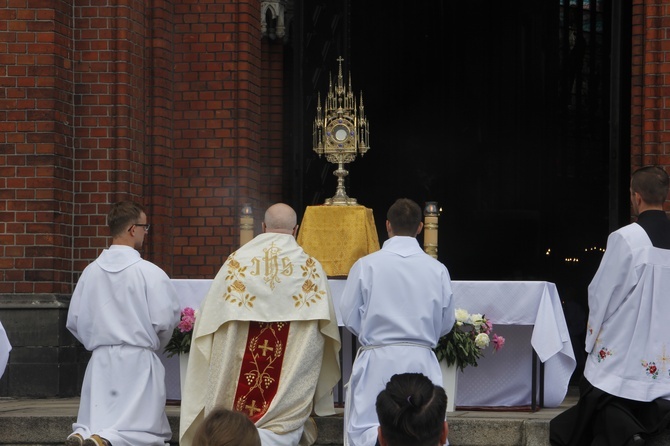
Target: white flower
[(462, 316), (477, 320), (482, 340)]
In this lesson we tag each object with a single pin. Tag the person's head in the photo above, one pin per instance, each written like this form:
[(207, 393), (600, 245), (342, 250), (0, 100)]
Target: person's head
[(280, 218), (648, 188), (223, 427), (127, 224), (404, 218), (411, 411)]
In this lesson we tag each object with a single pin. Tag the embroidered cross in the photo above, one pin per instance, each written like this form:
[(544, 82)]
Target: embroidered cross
[(663, 359), (252, 408), (265, 347)]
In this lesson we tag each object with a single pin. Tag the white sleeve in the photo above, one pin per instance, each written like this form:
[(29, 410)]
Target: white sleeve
[(610, 286), (448, 310), (352, 300), (75, 305), (164, 309)]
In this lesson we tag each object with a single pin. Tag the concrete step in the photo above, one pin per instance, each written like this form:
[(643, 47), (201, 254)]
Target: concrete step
[(42, 422)]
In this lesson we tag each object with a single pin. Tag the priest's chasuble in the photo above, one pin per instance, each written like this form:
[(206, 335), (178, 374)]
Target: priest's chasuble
[(265, 343)]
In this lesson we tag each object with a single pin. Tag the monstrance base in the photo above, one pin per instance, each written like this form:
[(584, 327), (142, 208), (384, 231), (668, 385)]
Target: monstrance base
[(341, 201)]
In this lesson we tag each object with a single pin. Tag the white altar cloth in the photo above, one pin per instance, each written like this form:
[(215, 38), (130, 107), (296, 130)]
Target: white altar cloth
[(528, 314)]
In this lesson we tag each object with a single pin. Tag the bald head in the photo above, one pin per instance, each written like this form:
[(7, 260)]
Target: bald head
[(280, 218)]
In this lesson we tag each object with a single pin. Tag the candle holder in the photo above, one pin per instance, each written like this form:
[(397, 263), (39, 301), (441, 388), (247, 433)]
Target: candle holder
[(246, 224), (431, 214), (340, 132)]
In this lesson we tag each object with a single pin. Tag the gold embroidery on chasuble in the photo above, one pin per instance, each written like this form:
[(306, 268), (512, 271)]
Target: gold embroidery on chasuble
[(261, 368), (236, 292), (271, 266), (311, 293)]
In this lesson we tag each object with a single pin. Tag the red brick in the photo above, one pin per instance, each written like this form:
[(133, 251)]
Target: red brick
[(206, 103)]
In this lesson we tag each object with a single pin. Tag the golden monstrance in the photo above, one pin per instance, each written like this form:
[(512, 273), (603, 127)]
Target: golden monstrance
[(340, 132)]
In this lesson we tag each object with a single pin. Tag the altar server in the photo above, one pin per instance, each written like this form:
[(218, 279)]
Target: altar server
[(266, 340), (625, 393), (398, 301), (123, 310)]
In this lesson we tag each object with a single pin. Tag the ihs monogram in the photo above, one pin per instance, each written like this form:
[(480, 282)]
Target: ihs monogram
[(270, 263)]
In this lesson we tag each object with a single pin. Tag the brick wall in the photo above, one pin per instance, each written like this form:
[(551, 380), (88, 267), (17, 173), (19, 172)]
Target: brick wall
[(157, 101), (36, 134), (650, 118), (217, 97), (109, 111)]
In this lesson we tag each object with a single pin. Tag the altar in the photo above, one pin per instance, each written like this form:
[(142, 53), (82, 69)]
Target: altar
[(528, 314), (530, 317)]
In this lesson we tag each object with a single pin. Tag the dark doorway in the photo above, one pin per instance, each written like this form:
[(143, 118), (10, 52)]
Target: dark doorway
[(496, 110)]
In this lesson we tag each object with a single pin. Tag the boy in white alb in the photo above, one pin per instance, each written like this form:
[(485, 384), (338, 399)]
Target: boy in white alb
[(123, 310)]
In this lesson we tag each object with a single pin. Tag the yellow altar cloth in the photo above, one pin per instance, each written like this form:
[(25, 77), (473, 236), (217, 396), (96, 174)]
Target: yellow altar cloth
[(337, 236)]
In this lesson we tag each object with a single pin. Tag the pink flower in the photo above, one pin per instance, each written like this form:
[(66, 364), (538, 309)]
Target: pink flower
[(185, 326), (487, 327), (187, 320), (498, 342)]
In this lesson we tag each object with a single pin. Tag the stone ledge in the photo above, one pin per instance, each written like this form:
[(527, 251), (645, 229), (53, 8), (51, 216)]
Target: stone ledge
[(51, 430), (31, 301)]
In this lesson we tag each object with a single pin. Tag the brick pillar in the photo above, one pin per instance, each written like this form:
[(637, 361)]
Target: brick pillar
[(272, 120), (159, 130), (36, 190), (109, 123), (36, 92), (216, 129), (650, 119)]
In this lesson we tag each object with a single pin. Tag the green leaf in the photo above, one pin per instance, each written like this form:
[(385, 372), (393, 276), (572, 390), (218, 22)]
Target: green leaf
[(458, 347), (179, 343)]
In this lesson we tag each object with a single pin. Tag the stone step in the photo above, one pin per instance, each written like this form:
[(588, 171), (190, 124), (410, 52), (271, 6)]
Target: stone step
[(42, 422)]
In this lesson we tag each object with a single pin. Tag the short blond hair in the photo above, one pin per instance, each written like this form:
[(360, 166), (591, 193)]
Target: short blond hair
[(223, 427)]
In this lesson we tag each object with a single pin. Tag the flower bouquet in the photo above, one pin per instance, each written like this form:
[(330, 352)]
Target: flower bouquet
[(180, 342), (465, 343)]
